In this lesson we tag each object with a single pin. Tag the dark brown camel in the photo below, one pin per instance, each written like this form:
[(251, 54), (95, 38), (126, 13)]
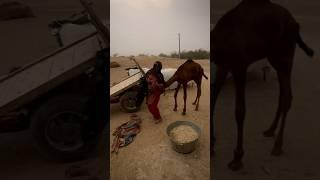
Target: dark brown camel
[(251, 31), (188, 71)]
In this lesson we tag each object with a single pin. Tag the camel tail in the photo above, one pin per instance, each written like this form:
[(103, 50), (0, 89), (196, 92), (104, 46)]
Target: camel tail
[(304, 47)]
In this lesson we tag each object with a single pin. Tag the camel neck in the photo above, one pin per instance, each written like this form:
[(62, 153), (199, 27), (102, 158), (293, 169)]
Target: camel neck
[(171, 81)]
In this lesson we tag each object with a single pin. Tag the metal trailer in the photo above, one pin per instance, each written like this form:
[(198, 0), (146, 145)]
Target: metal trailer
[(45, 97), (126, 91)]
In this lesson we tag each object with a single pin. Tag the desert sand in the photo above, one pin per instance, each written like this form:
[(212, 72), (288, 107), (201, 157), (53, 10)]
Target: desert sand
[(150, 156)]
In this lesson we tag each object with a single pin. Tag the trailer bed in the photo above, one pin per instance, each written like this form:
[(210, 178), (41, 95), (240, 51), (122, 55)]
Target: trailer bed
[(32, 80), (125, 84)]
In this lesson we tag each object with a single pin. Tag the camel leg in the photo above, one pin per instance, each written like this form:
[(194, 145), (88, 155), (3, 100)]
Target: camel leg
[(215, 88), (198, 94), (282, 73), (195, 101), (175, 97), (270, 131), (283, 65), (184, 98), (285, 104), (239, 76)]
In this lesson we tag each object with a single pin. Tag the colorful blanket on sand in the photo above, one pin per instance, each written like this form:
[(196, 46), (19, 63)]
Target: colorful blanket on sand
[(125, 133)]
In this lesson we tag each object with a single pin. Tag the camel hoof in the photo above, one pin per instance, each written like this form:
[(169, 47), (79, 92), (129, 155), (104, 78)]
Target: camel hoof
[(235, 165), (277, 152), (183, 113), (268, 133)]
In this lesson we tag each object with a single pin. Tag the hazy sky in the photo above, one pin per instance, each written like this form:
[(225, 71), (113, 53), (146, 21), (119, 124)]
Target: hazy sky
[(152, 26)]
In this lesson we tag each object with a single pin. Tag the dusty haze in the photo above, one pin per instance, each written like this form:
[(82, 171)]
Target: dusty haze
[(152, 26)]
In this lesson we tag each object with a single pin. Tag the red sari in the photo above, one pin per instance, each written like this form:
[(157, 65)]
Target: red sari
[(155, 90)]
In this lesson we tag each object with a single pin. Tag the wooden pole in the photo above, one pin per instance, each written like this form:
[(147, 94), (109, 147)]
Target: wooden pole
[(179, 45), (139, 67)]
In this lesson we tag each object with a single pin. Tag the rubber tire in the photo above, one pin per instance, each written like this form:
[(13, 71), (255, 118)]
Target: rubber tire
[(39, 122), (124, 99)]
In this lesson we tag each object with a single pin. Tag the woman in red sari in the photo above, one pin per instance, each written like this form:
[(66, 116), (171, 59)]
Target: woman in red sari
[(156, 84)]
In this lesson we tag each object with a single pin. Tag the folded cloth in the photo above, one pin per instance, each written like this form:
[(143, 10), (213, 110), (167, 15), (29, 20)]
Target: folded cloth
[(125, 133)]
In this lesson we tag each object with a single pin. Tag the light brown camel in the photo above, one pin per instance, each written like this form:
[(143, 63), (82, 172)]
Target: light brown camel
[(188, 71), (253, 30)]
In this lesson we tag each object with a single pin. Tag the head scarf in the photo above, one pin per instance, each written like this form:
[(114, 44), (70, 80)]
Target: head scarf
[(156, 71)]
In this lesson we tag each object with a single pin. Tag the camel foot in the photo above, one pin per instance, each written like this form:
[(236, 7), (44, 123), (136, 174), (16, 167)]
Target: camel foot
[(175, 109), (276, 151), (196, 109), (183, 113), (268, 133), (235, 165)]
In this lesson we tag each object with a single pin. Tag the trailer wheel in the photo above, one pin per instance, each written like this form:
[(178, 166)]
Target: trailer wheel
[(128, 102), (56, 127)]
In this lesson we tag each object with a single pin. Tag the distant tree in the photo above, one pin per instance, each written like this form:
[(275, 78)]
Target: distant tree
[(163, 55), (174, 55), (196, 54)]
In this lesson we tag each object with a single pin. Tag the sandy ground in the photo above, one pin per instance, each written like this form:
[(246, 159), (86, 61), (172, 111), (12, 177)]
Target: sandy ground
[(301, 144), (23, 41), (150, 156)]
